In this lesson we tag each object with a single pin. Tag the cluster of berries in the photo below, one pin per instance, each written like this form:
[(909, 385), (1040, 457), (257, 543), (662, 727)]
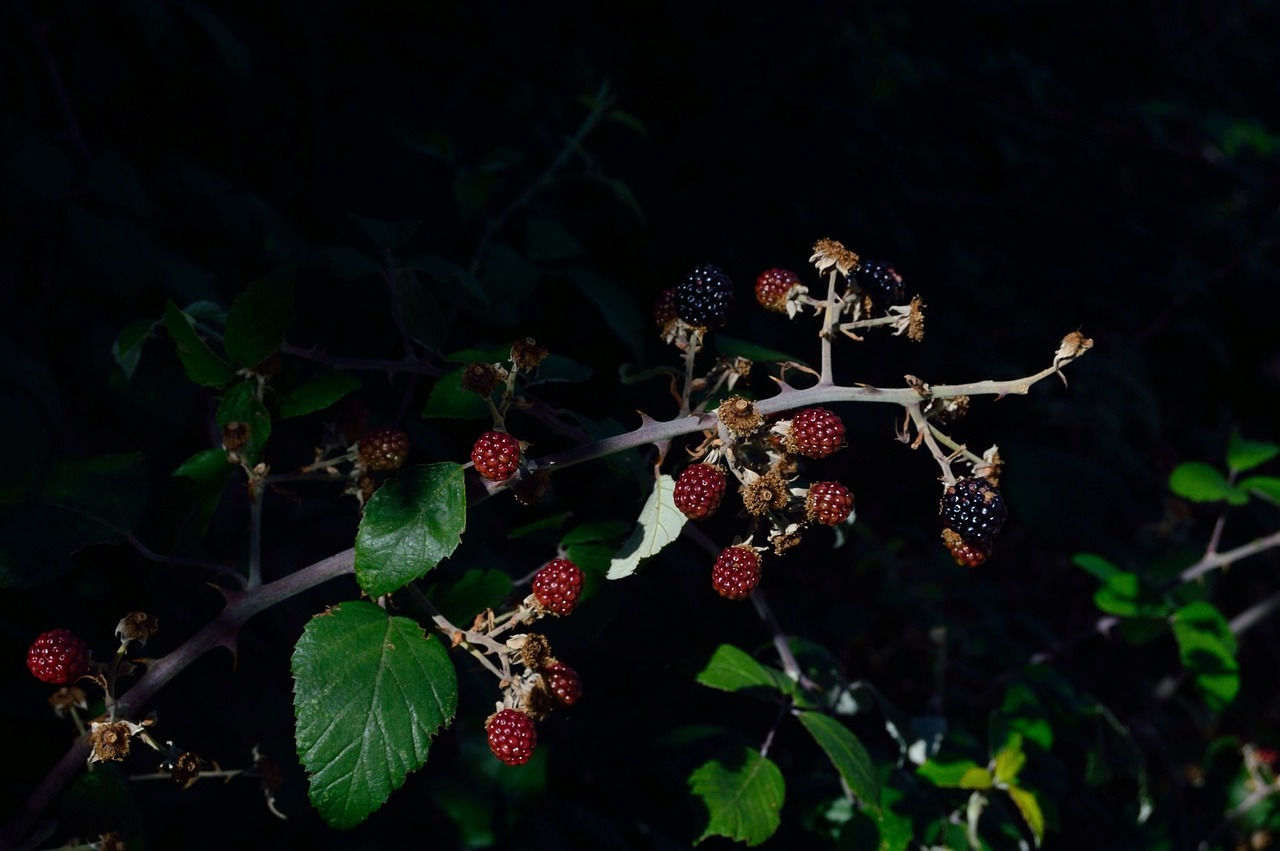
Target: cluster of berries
[(700, 487), (973, 511), (557, 587)]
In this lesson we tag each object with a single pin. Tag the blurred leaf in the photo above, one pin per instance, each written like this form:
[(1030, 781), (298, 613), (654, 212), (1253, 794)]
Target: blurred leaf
[(586, 533), (1244, 454), (659, 524), (198, 361), (1126, 595), (1208, 652), (1024, 714), (433, 143), (735, 348), (1010, 759), (547, 240), (317, 393), (115, 180), (410, 525), (471, 191), (847, 754), (447, 272), (349, 264), (627, 120), (109, 489), (31, 161), (259, 318), (950, 773), (620, 312), (208, 313), (387, 234), (27, 559), (234, 52), (509, 278), (558, 368), (1030, 808), (1095, 565), (370, 692), (240, 405), (1268, 487), (745, 803), (499, 159), (424, 317), (476, 591), (1199, 482), (626, 197), (731, 669), (127, 348), (448, 400)]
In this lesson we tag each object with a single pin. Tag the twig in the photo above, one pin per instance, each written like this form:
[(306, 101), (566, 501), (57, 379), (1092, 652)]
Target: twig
[(828, 322), (922, 427), (217, 569)]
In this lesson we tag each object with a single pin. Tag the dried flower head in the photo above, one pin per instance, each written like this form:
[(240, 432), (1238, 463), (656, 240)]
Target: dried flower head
[(110, 740), (740, 416), (829, 252), (1072, 346), (783, 541), (915, 320), (235, 435), (110, 842), (534, 650), (480, 378), (136, 627), (526, 354), (185, 770), (992, 465), (67, 697), (765, 493)]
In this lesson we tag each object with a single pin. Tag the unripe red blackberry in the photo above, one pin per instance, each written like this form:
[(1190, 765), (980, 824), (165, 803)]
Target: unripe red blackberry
[(562, 681), (58, 656), (496, 455), (881, 282), (774, 287), (557, 585), (704, 298), (512, 736), (664, 309), (965, 553), (815, 433), (384, 449), (736, 573), (828, 503), (974, 508), (698, 491)]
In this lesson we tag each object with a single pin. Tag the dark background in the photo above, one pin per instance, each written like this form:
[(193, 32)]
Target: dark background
[(1031, 169)]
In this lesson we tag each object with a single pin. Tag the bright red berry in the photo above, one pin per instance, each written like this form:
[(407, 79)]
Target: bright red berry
[(562, 681), (58, 656), (975, 509), (512, 736), (815, 433), (828, 503), (496, 455), (774, 286), (698, 491), (965, 553), (557, 585), (737, 573), (384, 449)]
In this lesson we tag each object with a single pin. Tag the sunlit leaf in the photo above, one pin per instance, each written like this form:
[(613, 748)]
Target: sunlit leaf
[(1244, 454), (659, 524), (744, 798), (1208, 651), (1199, 482), (846, 753), (731, 669), (1030, 808), (409, 526)]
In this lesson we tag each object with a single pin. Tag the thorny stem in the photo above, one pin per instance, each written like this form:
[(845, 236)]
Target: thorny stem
[(219, 571), (469, 638), (955, 446), (690, 355)]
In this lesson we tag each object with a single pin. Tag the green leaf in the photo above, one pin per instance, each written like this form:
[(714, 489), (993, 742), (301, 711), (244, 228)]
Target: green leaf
[(28, 559), (744, 800), (558, 368), (659, 524), (1246, 454), (731, 669), (1267, 487), (110, 490), (240, 405), (447, 272), (615, 304), (317, 393), (1022, 712), (846, 753), (1199, 482), (1095, 565), (410, 525), (476, 591), (209, 471), (259, 318), (588, 533), (1030, 808), (1010, 759), (1208, 651), (449, 401), (952, 773), (1126, 595), (471, 191), (387, 234), (198, 361), (127, 347), (735, 348), (547, 240), (424, 317), (370, 691), (349, 264)]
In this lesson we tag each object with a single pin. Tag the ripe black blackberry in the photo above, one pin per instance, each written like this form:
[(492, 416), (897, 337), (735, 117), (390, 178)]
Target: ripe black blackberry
[(975, 509), (881, 282), (705, 297)]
